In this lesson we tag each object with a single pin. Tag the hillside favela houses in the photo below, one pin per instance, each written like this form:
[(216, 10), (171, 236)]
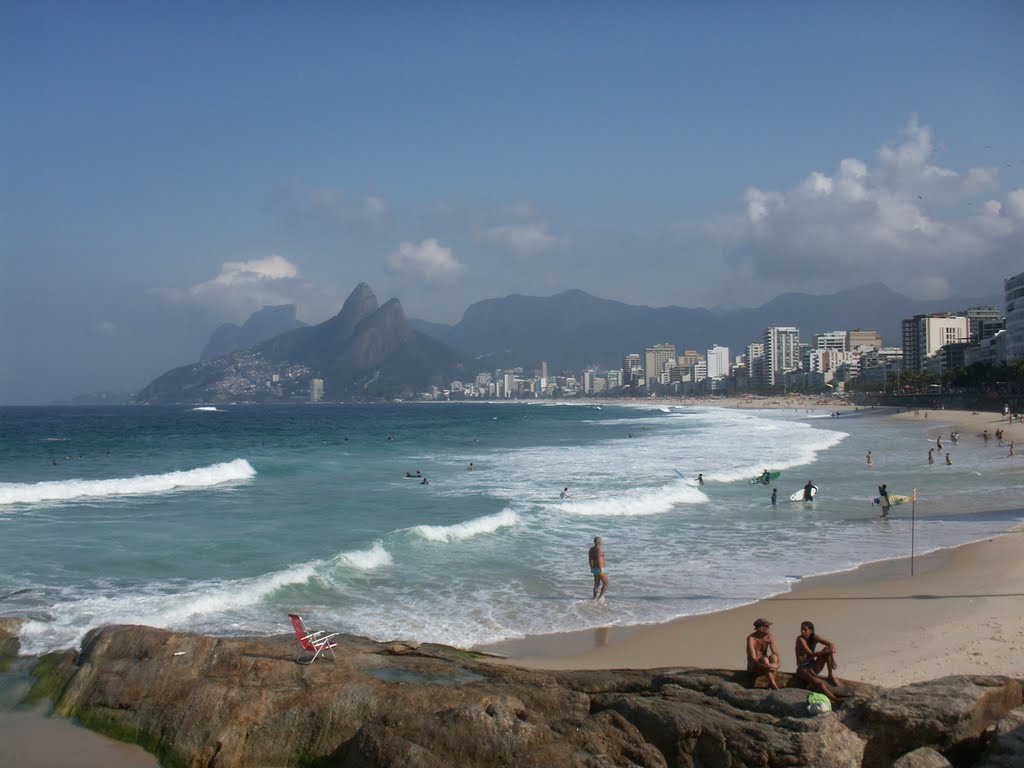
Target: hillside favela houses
[(933, 346)]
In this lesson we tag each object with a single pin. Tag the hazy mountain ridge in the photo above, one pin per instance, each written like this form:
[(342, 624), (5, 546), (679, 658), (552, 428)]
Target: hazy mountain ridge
[(262, 325), (573, 329)]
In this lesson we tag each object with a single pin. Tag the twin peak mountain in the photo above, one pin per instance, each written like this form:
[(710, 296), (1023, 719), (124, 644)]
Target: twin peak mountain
[(365, 351)]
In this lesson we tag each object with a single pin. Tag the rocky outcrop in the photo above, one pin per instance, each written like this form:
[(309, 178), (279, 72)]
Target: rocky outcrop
[(202, 701)]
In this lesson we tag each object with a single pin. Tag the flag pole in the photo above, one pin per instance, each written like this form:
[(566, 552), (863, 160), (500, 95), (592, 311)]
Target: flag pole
[(913, 518)]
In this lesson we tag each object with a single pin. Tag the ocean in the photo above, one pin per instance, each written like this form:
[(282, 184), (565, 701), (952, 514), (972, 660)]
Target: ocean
[(224, 520)]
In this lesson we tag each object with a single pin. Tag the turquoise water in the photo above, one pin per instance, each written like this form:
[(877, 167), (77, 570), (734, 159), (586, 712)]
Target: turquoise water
[(224, 521)]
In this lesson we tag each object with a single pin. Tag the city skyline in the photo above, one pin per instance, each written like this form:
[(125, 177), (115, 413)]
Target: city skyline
[(167, 169)]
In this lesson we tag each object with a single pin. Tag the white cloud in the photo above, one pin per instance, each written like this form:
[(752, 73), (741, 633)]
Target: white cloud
[(245, 286), (273, 267), (525, 239), (429, 260), (1015, 204), (906, 220)]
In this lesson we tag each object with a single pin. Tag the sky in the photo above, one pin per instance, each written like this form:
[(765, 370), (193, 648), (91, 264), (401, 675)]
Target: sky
[(167, 167)]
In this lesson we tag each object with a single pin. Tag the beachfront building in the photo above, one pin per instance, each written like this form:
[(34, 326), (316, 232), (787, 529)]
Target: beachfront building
[(718, 362), (1014, 289), (632, 370), (991, 351), (834, 340), (857, 339), (983, 322), (924, 335), (655, 359), (781, 353)]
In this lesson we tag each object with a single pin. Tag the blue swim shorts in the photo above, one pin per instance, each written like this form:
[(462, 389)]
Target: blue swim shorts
[(597, 571)]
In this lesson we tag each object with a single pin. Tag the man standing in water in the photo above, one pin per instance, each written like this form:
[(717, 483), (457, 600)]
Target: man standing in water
[(596, 560)]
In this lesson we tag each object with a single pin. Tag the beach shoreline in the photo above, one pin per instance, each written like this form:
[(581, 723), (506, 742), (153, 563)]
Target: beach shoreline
[(962, 610)]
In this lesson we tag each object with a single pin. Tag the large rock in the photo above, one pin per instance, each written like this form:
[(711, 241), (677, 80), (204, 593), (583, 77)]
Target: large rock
[(1006, 746), (202, 701), (951, 714)]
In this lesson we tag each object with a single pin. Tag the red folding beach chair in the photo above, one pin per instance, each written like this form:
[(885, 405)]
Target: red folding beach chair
[(314, 642)]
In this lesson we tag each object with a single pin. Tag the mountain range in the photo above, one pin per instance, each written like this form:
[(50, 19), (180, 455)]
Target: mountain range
[(367, 350), (573, 330)]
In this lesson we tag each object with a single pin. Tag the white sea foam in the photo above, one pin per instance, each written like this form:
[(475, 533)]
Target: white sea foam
[(206, 408), (140, 485), (468, 529), (366, 559), (652, 502)]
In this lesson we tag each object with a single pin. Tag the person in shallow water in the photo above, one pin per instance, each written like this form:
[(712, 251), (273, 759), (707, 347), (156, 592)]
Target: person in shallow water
[(596, 560), (809, 491)]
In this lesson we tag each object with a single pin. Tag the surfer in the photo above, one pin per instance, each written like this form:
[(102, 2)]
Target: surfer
[(424, 481), (775, 496), (596, 560), (565, 493), (883, 498), (471, 467), (417, 473), (762, 658), (766, 478), (700, 478), (809, 491), (870, 459), (810, 662)]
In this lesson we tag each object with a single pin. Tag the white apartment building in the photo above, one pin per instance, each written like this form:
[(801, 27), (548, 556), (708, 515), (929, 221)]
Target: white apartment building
[(1014, 290), (718, 362), (830, 340), (924, 335), (781, 353)]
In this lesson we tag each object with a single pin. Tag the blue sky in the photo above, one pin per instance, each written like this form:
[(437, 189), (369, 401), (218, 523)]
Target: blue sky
[(165, 167)]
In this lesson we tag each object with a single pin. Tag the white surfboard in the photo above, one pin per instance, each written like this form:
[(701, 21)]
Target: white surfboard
[(799, 495)]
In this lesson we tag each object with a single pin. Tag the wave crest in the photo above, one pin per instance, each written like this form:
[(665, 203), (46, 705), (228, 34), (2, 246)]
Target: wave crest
[(140, 485), (468, 529)]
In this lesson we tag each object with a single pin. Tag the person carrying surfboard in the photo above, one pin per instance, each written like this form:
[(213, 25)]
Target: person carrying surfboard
[(883, 497), (809, 491)]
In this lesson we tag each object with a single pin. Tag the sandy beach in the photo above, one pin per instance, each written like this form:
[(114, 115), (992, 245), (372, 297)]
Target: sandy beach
[(961, 612)]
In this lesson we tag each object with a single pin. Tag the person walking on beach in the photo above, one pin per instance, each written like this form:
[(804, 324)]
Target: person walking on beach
[(938, 442), (870, 459), (762, 658), (596, 559), (949, 461), (1013, 450), (810, 662), (883, 499)]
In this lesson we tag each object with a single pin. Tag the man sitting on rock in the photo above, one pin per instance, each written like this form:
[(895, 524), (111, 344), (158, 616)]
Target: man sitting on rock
[(762, 658)]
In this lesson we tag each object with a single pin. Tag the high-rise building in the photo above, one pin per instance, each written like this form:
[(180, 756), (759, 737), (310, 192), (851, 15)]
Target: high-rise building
[(983, 322), (1014, 290), (718, 362), (924, 335), (632, 370), (859, 338), (654, 362), (316, 390), (781, 353), (830, 340)]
